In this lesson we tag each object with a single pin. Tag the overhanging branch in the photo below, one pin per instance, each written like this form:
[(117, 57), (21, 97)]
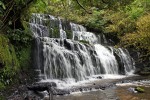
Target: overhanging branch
[(83, 7)]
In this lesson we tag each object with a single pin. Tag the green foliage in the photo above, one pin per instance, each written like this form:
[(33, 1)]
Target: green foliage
[(141, 38), (2, 86), (135, 9), (96, 21), (120, 24), (143, 29), (16, 57), (39, 6), (15, 45), (2, 8), (128, 19), (2, 5), (2, 98), (10, 64), (24, 57), (20, 38)]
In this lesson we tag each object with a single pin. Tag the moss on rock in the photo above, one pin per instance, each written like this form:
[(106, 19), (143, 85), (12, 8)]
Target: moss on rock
[(140, 89), (69, 34), (9, 63)]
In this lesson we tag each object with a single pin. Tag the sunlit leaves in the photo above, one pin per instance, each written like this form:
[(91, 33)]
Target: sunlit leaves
[(141, 38)]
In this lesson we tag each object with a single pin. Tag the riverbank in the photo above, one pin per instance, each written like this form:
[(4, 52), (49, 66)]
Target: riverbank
[(102, 89), (108, 94), (119, 91), (124, 91)]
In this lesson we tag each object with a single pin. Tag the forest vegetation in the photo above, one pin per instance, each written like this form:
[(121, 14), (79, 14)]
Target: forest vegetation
[(127, 21)]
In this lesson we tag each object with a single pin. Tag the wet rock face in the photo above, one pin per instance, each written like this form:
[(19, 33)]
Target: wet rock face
[(41, 86), (60, 92), (67, 44), (135, 55), (140, 63), (120, 64), (99, 77), (46, 86)]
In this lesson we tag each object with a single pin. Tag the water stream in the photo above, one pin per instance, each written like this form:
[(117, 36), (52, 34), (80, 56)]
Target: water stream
[(67, 52)]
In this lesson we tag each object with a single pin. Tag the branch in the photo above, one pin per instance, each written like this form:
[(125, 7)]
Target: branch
[(5, 18), (104, 1), (83, 7), (7, 12)]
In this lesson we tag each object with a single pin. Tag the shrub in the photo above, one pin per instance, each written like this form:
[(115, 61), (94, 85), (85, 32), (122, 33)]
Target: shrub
[(9, 61), (143, 29), (120, 24), (141, 38)]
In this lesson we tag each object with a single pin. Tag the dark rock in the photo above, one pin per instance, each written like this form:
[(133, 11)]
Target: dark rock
[(67, 44), (60, 91), (42, 86), (102, 87), (81, 89), (49, 87), (33, 96), (16, 97), (97, 87), (120, 64), (132, 90), (99, 77)]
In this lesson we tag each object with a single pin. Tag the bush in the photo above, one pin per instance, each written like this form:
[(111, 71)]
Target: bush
[(120, 24), (2, 86), (96, 21), (20, 38), (9, 62), (143, 29), (141, 38)]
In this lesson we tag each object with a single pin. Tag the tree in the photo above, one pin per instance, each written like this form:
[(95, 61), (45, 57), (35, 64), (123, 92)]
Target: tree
[(11, 12)]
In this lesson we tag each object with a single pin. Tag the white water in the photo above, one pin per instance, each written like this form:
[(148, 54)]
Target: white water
[(107, 59), (67, 61), (69, 83), (80, 33), (145, 83)]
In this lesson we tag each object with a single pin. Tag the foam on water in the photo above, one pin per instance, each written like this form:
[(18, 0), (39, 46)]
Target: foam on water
[(67, 61), (69, 83), (145, 83)]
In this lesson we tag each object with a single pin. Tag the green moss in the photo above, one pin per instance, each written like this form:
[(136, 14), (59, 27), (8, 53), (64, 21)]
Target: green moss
[(69, 34), (55, 33), (24, 57), (2, 98), (2, 86), (9, 63), (84, 42), (140, 89)]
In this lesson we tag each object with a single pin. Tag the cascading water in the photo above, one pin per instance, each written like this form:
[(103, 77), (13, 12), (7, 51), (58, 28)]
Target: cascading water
[(67, 50)]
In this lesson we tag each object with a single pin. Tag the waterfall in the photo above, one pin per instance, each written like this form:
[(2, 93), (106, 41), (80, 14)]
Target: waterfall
[(67, 50)]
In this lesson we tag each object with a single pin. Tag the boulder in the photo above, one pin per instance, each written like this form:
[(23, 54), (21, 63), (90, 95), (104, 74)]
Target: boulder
[(139, 89), (45, 86)]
